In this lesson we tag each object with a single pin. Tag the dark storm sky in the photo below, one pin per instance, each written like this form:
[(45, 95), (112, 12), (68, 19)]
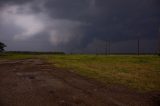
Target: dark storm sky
[(79, 25)]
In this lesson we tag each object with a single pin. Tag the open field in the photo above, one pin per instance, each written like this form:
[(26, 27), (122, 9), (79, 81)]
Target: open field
[(79, 80), (14, 56), (139, 72)]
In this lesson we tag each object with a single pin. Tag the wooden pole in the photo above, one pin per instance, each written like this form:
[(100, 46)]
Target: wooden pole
[(109, 47), (138, 44), (159, 43), (106, 48)]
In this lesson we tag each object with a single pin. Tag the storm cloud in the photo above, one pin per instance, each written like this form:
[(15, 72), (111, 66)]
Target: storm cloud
[(79, 25)]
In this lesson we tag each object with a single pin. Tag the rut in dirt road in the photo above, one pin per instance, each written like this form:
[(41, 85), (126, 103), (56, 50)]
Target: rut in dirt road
[(33, 82)]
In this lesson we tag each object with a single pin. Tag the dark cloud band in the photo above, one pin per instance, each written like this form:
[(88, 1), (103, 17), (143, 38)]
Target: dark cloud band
[(83, 21)]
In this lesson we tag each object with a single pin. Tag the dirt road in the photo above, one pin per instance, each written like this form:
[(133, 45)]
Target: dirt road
[(33, 82)]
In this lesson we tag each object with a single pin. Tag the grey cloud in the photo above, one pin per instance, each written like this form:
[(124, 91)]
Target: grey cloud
[(77, 23)]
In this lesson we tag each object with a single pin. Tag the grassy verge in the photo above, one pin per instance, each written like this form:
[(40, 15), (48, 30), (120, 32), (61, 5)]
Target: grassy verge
[(139, 72), (14, 56)]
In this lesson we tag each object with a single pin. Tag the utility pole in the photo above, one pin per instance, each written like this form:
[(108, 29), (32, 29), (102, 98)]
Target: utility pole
[(138, 43), (107, 47), (159, 43)]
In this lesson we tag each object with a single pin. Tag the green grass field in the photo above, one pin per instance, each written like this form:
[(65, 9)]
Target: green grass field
[(138, 72), (14, 56)]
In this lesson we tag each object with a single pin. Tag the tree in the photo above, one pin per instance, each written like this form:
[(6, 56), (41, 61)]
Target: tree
[(2, 45)]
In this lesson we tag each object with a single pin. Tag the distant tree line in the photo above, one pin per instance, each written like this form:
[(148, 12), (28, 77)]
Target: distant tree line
[(36, 53), (107, 50)]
